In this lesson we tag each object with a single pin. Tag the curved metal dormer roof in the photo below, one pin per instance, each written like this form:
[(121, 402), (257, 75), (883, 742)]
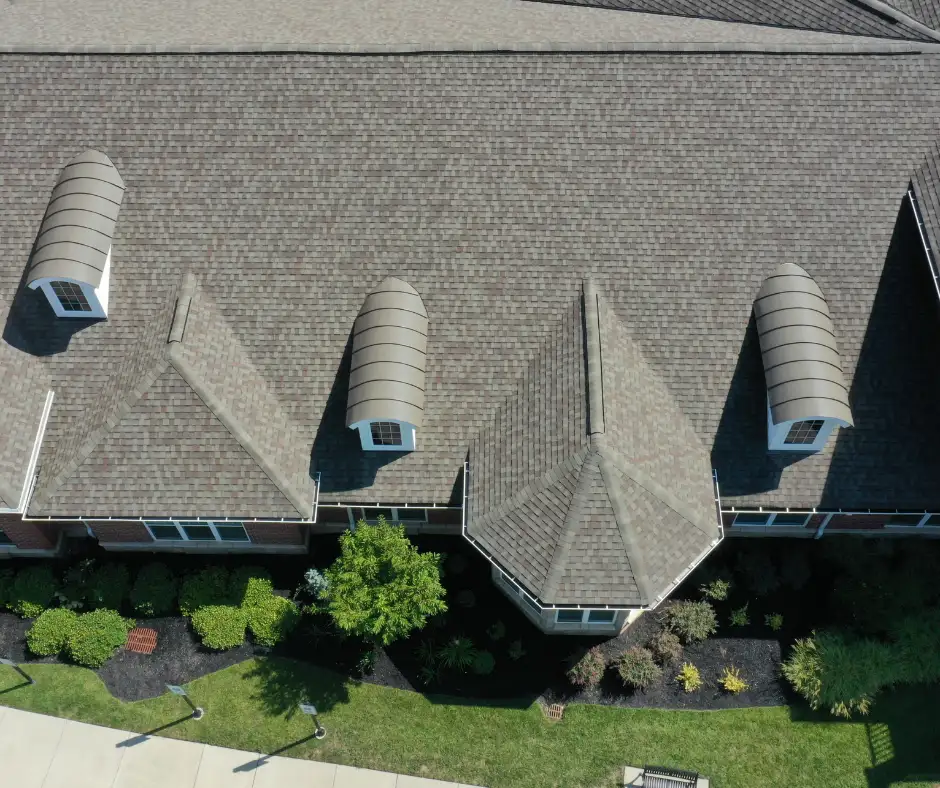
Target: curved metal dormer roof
[(390, 338), (76, 231), (802, 366)]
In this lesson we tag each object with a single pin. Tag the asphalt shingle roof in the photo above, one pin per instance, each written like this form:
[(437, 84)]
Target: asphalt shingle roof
[(291, 186), (831, 16), (926, 11)]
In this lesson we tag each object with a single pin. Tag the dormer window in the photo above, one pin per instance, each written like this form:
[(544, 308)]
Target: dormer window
[(806, 395), (71, 260), (386, 378)]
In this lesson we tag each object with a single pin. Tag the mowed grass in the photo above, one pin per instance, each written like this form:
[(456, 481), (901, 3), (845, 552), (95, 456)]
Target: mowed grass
[(252, 706)]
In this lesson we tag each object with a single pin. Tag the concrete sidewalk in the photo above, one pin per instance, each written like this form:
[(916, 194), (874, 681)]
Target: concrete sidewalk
[(37, 751)]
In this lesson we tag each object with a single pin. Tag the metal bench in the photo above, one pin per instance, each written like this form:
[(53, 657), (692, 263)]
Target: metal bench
[(661, 777)]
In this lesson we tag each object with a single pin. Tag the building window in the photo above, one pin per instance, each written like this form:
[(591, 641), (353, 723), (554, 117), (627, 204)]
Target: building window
[(752, 518), (197, 531), (804, 433), (4, 539), (391, 514), (569, 616), (386, 433), (790, 518), (933, 520), (601, 616), (905, 519), (70, 296)]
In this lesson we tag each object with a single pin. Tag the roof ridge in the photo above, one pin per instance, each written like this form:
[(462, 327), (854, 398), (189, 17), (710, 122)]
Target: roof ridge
[(124, 407)]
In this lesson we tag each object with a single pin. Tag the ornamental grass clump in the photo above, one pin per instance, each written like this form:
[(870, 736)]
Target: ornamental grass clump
[(689, 677), (96, 636), (589, 669), (739, 617), (732, 681), (666, 647), (458, 654), (638, 669), (51, 631), (691, 621), (220, 627), (774, 621)]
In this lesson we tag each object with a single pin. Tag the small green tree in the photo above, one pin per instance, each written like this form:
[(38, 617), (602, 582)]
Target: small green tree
[(381, 587)]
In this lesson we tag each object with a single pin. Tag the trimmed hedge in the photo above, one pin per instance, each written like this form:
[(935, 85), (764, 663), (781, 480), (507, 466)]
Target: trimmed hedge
[(220, 627), (258, 590), (33, 591), (844, 674), (208, 588), (247, 586), (51, 631), (154, 591), (272, 619), (96, 636)]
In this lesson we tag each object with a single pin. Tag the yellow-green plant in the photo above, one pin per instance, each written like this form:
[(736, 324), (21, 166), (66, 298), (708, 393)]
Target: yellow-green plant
[(689, 677), (732, 681), (774, 621)]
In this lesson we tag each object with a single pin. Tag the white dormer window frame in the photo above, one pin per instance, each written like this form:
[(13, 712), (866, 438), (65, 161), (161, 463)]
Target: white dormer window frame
[(96, 298), (381, 434), (779, 437)]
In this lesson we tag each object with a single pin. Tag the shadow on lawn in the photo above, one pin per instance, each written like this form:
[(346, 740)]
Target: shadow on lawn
[(903, 738), (286, 683)]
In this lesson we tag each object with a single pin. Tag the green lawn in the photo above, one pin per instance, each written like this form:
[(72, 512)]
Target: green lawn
[(251, 706)]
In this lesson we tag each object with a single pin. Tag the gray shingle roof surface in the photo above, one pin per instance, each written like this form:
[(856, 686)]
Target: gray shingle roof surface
[(493, 184), (831, 16), (23, 388), (926, 186), (926, 11)]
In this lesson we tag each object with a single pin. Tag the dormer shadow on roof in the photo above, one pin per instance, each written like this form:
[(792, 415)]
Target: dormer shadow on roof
[(198, 432), (806, 393), (589, 485)]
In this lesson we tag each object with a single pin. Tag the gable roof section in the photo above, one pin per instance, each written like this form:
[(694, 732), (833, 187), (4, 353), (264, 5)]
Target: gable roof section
[(625, 503), (925, 11), (831, 16), (199, 434), (926, 186)]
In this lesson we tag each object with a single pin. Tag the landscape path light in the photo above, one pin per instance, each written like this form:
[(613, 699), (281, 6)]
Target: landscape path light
[(311, 710), (177, 690)]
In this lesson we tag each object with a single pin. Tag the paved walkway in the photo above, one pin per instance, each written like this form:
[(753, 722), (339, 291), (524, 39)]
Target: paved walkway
[(37, 751)]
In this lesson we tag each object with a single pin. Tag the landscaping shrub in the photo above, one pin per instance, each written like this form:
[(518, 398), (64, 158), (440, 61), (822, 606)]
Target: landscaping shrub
[(314, 583), (154, 591), (689, 677), (739, 617), (917, 640), (691, 621), (466, 598), (210, 587), (51, 631), (666, 647), (6, 587), (33, 591), (638, 669), (589, 669), (220, 627), (366, 663), (496, 630), (108, 586), (516, 650), (717, 590), (249, 586), (732, 682), (484, 663), (96, 636), (458, 653), (272, 619), (774, 621), (74, 589), (381, 588)]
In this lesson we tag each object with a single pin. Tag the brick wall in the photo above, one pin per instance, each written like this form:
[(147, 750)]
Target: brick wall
[(120, 531), (277, 533), (30, 535), (444, 516), (857, 522)]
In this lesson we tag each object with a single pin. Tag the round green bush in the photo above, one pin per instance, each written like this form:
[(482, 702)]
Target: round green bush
[(272, 620), (484, 663), (247, 585), (257, 592), (210, 587), (691, 621), (588, 670), (51, 631), (666, 647), (96, 636), (108, 586), (154, 591), (220, 627), (638, 669), (33, 590)]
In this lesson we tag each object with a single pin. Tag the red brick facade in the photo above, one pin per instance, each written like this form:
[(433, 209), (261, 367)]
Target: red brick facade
[(31, 535), (277, 533), (444, 516), (857, 522), (120, 531)]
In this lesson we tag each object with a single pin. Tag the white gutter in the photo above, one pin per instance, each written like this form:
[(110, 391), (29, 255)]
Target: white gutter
[(30, 481), (931, 261)]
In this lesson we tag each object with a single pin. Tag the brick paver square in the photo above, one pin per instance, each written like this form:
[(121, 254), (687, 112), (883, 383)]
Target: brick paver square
[(142, 640)]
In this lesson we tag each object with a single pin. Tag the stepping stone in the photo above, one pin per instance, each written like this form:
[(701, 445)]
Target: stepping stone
[(142, 640)]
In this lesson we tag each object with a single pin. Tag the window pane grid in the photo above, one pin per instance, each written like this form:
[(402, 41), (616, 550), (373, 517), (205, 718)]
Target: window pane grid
[(70, 296), (198, 531), (385, 433), (804, 433)]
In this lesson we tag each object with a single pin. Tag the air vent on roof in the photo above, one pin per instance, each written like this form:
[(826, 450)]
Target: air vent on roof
[(386, 379), (71, 260), (806, 395)]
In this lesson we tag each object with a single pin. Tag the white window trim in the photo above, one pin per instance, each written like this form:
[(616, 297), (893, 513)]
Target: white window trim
[(409, 441), (97, 297), (395, 510), (777, 433), (585, 616), (210, 523)]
